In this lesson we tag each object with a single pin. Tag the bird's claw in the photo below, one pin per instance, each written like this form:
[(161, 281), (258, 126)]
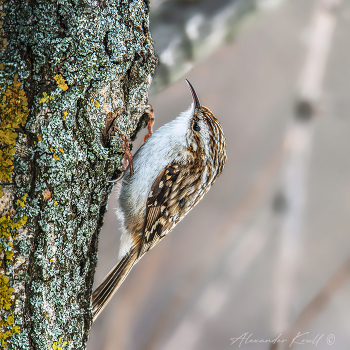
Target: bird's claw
[(127, 153)]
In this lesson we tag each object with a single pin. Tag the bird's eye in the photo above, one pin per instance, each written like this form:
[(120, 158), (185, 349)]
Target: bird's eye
[(196, 127)]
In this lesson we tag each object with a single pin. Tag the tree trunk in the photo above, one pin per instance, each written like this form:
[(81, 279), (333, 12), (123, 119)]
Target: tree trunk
[(69, 70)]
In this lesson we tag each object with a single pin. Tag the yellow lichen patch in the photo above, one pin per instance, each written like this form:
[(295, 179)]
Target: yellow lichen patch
[(22, 202), (54, 154), (8, 231), (46, 98), (61, 83), (8, 254), (59, 345), (9, 227), (94, 103), (5, 293), (40, 137), (65, 115), (7, 224), (14, 112), (8, 327)]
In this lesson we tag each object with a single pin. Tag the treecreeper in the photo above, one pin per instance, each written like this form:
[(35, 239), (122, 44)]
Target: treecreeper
[(167, 177)]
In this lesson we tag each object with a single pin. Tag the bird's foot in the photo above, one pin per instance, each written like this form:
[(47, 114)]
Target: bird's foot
[(127, 153)]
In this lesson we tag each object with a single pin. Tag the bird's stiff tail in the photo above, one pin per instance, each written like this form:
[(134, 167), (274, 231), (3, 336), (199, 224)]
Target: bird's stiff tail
[(111, 283)]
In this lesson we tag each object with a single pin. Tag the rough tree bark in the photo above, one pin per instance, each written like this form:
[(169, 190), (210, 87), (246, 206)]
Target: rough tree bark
[(68, 70)]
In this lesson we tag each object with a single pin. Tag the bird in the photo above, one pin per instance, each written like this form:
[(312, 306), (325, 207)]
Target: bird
[(172, 171)]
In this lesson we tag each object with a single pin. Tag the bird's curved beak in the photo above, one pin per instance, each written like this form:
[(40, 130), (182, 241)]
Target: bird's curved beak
[(194, 95)]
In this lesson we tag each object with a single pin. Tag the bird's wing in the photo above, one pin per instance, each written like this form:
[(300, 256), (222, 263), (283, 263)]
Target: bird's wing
[(157, 208)]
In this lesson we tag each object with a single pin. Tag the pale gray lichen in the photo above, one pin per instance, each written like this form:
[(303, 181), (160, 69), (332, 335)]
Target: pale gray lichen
[(78, 61)]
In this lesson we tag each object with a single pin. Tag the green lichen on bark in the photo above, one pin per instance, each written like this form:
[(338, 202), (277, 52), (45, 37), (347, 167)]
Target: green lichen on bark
[(79, 62)]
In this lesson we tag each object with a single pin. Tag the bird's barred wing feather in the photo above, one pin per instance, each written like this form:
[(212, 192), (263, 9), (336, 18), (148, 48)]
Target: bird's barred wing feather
[(156, 207)]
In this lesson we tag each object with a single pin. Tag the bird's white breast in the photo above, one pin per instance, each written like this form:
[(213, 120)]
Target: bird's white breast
[(167, 144)]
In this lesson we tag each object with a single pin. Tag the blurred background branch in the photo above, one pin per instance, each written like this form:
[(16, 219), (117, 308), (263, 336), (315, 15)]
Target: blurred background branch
[(187, 31)]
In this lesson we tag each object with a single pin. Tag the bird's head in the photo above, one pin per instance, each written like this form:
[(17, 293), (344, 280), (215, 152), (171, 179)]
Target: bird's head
[(205, 133)]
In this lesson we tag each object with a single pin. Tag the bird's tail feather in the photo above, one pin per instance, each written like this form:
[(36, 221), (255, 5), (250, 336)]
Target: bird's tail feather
[(111, 283)]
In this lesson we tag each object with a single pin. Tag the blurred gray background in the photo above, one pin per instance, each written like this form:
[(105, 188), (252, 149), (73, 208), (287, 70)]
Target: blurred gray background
[(265, 253)]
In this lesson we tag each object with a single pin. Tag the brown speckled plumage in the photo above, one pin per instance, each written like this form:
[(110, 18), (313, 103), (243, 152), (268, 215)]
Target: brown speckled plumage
[(196, 150)]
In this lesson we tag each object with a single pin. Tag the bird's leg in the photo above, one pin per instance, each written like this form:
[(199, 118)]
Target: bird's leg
[(149, 111), (127, 160), (126, 149)]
